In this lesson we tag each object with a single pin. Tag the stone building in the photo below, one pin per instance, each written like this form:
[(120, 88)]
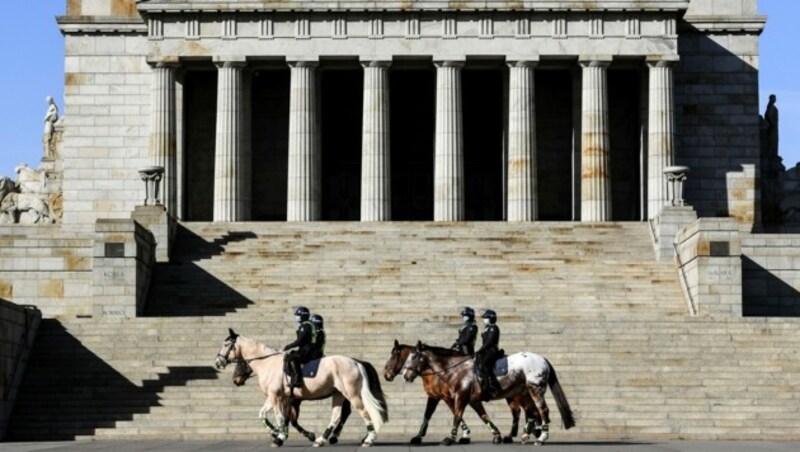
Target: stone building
[(589, 169)]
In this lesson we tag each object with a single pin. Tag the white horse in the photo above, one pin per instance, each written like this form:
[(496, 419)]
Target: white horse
[(338, 377)]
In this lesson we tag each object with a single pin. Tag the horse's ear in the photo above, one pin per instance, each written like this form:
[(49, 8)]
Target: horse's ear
[(396, 344), (419, 345), (232, 334)]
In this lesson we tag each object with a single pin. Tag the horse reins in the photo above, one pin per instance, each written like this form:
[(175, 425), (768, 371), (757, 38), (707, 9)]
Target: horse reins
[(432, 371)]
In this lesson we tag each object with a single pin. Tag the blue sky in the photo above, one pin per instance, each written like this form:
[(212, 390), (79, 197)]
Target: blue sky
[(33, 55)]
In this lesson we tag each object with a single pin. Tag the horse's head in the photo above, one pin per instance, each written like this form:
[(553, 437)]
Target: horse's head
[(396, 360), (229, 352), (241, 372), (413, 365)]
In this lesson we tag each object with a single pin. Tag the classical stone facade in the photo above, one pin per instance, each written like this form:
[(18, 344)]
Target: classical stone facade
[(426, 110)]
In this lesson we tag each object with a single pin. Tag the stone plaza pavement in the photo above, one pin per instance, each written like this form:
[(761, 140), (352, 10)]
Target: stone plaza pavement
[(243, 446)]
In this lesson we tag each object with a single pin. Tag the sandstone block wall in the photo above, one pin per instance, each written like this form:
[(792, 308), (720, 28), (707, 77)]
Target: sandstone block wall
[(48, 268), (18, 326), (771, 275)]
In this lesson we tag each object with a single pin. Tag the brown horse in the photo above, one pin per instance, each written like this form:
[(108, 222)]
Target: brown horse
[(527, 373), (242, 372), (338, 377), (435, 389)]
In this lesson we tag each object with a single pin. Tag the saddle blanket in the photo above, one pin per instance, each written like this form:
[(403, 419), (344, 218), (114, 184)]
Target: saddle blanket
[(310, 368), (501, 366)]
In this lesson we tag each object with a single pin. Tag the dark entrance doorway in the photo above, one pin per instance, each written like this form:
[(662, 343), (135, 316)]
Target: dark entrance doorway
[(482, 110), (270, 135), (341, 107), (554, 149), (412, 123), (624, 116), (199, 122)]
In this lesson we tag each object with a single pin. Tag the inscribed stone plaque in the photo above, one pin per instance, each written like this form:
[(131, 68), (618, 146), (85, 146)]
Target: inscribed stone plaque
[(115, 249), (719, 248)]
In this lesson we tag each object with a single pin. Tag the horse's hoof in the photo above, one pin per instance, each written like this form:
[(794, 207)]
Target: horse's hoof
[(463, 441), (311, 436), (416, 441), (524, 439), (365, 444), (447, 442), (508, 440), (497, 440), (333, 440), (277, 442), (538, 443)]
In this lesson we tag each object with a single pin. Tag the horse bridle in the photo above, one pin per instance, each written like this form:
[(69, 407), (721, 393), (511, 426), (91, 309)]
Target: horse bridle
[(420, 357), (224, 360)]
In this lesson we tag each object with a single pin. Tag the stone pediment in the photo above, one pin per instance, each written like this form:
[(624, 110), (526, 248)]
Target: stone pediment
[(162, 6)]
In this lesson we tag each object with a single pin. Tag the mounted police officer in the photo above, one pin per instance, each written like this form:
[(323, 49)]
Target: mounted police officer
[(304, 346), (319, 326), (467, 334), (487, 354)]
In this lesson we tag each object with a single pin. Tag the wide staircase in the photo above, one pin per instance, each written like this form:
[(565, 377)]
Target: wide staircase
[(589, 297)]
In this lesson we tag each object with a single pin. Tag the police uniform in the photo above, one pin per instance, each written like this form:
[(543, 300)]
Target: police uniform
[(467, 336), (305, 346), (485, 358)]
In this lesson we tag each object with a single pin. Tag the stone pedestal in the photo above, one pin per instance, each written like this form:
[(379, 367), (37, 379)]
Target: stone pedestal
[(161, 225), (666, 226), (124, 254), (710, 253)]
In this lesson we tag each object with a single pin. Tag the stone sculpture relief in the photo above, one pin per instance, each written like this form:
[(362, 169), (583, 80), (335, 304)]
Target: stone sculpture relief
[(29, 199), (50, 119)]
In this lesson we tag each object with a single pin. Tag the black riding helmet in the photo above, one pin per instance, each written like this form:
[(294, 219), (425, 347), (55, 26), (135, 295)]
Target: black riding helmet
[(317, 320), (301, 313), (466, 311), (491, 315)]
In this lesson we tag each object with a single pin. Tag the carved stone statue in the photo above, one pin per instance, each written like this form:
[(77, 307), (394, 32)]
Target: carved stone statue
[(50, 119), (771, 119), (27, 200)]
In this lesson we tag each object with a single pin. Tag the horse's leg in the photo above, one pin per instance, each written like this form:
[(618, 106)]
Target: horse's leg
[(533, 422), (537, 394), (478, 407), (294, 416), (358, 404), (346, 411), (336, 415), (430, 407), (281, 419), (263, 414), (514, 406)]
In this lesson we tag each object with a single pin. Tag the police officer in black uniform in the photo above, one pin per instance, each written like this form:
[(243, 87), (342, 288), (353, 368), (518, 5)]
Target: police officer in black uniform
[(486, 355), (319, 326), (467, 334), (304, 346)]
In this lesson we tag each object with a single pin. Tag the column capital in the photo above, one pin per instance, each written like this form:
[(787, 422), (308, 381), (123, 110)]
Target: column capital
[(450, 62), (530, 61), (164, 61), (298, 61), (230, 61), (375, 61), (662, 60), (595, 60)]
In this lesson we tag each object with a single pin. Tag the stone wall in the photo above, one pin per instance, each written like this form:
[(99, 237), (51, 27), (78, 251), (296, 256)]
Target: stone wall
[(107, 97), (18, 326), (716, 98), (48, 268), (771, 275)]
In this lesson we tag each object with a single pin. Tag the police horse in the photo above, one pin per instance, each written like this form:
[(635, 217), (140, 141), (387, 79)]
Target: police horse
[(338, 377), (527, 373)]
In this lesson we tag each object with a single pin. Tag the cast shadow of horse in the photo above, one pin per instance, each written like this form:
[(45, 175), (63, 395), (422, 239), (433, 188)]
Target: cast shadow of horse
[(69, 391)]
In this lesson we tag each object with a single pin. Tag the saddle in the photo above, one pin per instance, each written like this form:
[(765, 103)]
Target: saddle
[(501, 366), (309, 369)]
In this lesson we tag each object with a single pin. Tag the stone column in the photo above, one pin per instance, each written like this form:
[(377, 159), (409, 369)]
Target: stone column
[(376, 201), (448, 180), (595, 184), (303, 193), (660, 136), (522, 191), (231, 169), (163, 128)]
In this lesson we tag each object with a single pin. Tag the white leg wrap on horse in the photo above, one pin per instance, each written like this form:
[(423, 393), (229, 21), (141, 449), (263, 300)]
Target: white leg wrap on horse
[(545, 433)]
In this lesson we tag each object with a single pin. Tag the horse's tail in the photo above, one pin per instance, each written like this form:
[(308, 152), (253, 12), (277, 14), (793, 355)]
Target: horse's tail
[(372, 395), (567, 416)]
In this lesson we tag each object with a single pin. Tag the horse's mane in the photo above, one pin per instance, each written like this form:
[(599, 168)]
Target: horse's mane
[(263, 348), (441, 351)]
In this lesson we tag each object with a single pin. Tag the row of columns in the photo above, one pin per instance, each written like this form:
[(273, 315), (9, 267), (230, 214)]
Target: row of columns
[(232, 171)]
